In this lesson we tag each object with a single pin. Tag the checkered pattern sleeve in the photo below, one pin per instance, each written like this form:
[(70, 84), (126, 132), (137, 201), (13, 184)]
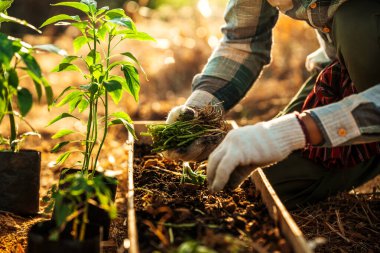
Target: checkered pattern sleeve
[(243, 51)]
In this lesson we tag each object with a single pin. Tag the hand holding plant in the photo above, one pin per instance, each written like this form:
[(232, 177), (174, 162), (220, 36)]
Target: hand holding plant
[(192, 137)]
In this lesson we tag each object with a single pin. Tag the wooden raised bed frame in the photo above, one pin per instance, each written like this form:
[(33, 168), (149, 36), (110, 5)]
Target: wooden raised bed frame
[(276, 209)]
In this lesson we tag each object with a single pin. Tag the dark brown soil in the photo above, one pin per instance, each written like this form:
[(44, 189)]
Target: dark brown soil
[(170, 213), (348, 222)]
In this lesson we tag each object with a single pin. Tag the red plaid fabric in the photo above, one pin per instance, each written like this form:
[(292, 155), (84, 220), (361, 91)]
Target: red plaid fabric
[(332, 85)]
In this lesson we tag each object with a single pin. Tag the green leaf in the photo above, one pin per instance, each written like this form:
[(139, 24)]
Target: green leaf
[(13, 78), (51, 48), (62, 158), (6, 18), (132, 78), (122, 115), (77, 94), (123, 21), (115, 90), (5, 4), (79, 6), (6, 49), (116, 64), (96, 71), (31, 64), (66, 67), (83, 105), (24, 100), (131, 56), (136, 35), (79, 42), (62, 133), (81, 26), (59, 146), (92, 88), (102, 32), (59, 17), (116, 13), (93, 57), (48, 91), (102, 10), (126, 124), (62, 116), (37, 86), (74, 103), (64, 91), (92, 4), (70, 58)]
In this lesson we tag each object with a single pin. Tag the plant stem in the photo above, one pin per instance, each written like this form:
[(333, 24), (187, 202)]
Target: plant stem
[(105, 102), (13, 127), (84, 222)]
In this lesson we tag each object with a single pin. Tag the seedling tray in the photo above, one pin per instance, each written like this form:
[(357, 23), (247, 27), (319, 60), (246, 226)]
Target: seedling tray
[(276, 209)]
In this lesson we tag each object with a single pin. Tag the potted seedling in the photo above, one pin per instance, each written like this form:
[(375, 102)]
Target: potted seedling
[(19, 169), (102, 30)]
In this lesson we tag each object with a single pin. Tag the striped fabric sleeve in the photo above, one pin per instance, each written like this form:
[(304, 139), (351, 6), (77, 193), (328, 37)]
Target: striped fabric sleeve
[(243, 51), (355, 119)]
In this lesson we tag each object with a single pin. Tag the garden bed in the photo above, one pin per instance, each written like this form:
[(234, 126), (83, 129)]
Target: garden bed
[(171, 215)]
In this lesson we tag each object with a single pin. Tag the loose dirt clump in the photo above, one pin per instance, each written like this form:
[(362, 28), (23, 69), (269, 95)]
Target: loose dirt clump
[(170, 213)]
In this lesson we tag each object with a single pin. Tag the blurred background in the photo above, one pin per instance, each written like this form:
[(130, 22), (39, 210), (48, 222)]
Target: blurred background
[(186, 32)]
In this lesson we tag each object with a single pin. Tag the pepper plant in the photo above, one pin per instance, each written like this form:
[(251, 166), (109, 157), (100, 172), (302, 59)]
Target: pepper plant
[(16, 55), (102, 30)]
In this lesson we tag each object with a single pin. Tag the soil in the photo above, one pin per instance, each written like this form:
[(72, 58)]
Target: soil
[(348, 222), (170, 213), (231, 225)]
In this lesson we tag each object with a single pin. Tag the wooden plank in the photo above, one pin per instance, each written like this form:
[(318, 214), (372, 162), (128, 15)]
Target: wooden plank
[(280, 214), (132, 229)]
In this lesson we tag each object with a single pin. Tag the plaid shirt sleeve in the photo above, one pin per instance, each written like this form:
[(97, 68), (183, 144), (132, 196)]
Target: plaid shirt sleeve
[(243, 51), (353, 120)]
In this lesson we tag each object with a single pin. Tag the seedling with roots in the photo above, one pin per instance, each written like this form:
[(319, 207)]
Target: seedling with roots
[(208, 125)]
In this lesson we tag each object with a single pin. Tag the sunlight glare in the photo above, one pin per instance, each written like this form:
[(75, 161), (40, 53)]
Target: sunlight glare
[(169, 60), (213, 41), (162, 43), (204, 8)]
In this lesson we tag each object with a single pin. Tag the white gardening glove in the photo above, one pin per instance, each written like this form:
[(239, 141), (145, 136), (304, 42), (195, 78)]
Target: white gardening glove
[(199, 149), (258, 145)]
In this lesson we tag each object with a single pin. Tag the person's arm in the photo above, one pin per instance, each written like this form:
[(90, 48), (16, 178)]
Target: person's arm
[(355, 119), (242, 53)]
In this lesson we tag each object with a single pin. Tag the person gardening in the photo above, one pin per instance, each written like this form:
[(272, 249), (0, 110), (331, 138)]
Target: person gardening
[(326, 139)]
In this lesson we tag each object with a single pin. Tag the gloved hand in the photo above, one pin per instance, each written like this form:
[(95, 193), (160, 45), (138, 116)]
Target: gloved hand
[(199, 149), (258, 145)]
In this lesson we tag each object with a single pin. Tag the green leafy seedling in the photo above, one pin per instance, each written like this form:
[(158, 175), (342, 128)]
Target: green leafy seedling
[(16, 55), (101, 32)]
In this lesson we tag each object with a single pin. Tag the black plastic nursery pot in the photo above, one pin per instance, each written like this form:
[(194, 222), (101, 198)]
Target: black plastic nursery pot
[(20, 181), (96, 215), (38, 240)]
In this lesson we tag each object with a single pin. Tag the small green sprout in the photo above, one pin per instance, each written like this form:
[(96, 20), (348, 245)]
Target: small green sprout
[(196, 177)]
